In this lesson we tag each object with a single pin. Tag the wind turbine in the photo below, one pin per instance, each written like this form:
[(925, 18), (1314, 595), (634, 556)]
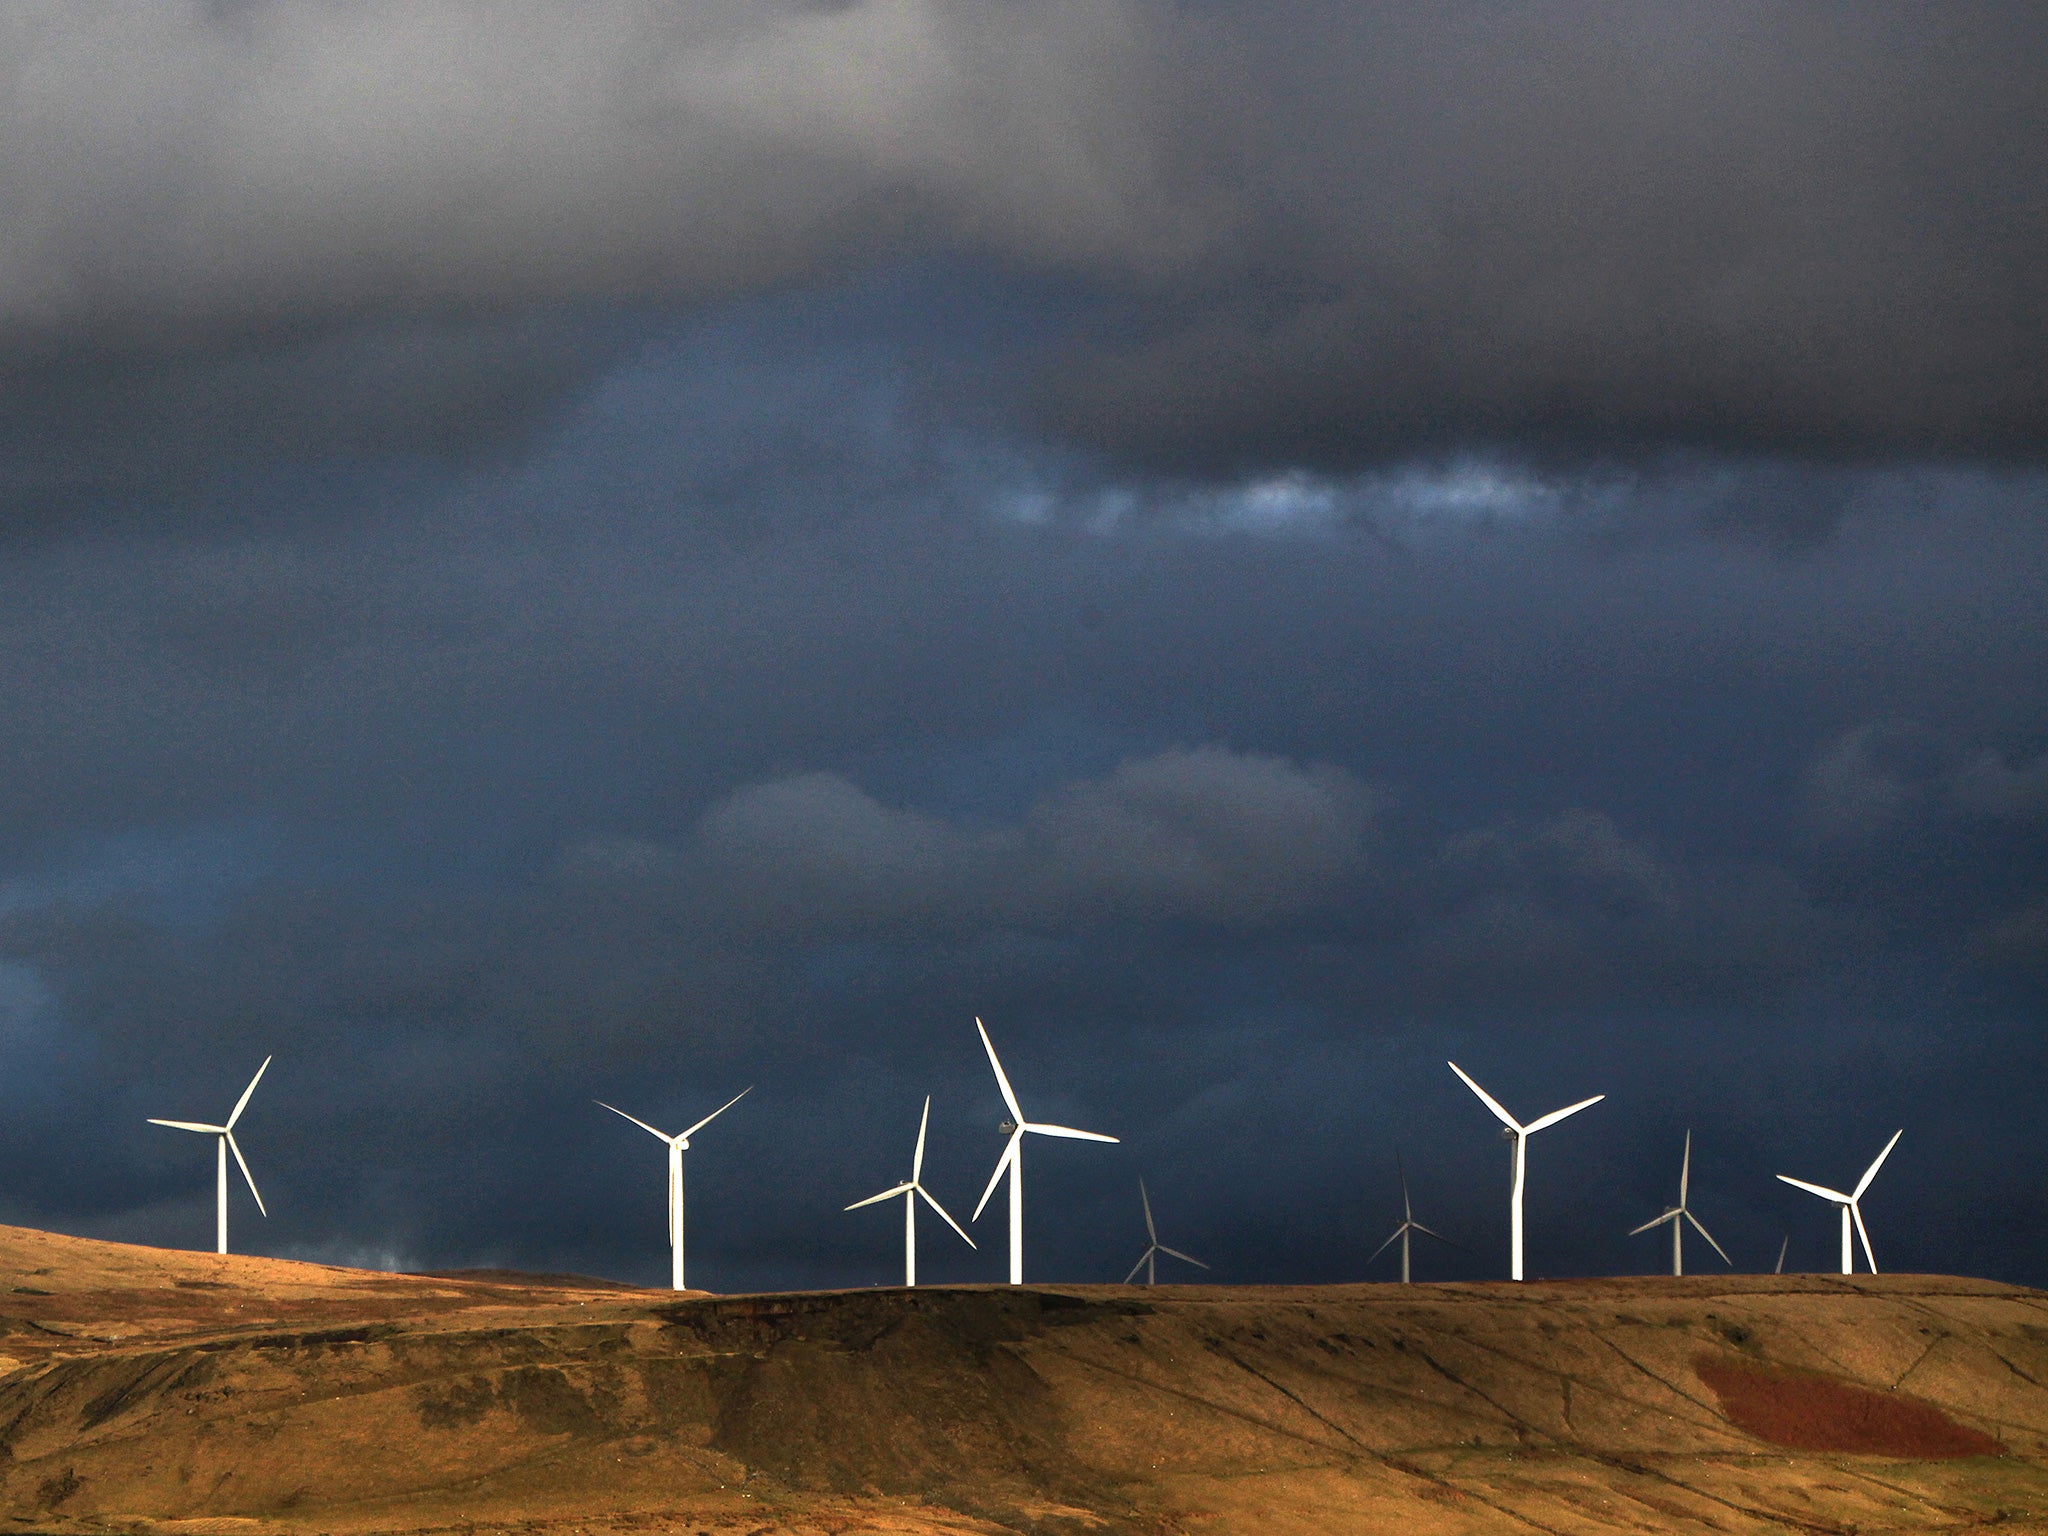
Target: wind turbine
[(1850, 1206), (677, 1146), (227, 1143), (1679, 1214), (1148, 1261), (1408, 1224), (1013, 1159), (910, 1192), (1519, 1134)]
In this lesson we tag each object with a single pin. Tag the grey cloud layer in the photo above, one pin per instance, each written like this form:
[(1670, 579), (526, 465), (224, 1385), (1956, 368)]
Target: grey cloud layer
[(1324, 235), (186, 163), (1207, 835)]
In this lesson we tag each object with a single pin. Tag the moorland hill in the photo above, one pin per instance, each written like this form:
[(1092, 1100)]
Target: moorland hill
[(154, 1391)]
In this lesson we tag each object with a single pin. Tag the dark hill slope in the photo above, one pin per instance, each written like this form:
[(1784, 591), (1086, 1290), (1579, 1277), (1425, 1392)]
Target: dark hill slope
[(1793, 1403)]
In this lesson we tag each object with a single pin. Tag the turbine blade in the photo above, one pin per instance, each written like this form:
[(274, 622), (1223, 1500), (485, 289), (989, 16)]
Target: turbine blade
[(1002, 1164), (1432, 1232), (235, 1147), (650, 1130), (1383, 1247), (917, 1157), (1151, 1231), (728, 1104), (1816, 1189), (192, 1125), (1632, 1231), (1069, 1132), (948, 1215), (1185, 1258), (1487, 1099), (1864, 1233), (1871, 1172), (1685, 1170), (887, 1194), (1002, 1082), (1401, 1167), (1558, 1114), (243, 1102), (1137, 1266), (1703, 1232)]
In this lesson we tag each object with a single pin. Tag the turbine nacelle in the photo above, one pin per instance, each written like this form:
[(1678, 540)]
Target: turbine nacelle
[(227, 1144), (1011, 1161), (677, 1145), (1149, 1259), (1851, 1206), (1678, 1215), (1518, 1134), (912, 1190)]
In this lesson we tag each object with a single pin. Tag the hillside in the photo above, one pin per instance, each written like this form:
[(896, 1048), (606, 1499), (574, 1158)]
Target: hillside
[(149, 1391)]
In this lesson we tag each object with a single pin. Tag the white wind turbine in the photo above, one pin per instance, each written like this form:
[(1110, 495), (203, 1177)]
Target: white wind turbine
[(227, 1143), (1679, 1214), (678, 1144), (1850, 1206), (1408, 1225), (911, 1191), (1148, 1261), (1519, 1134), (1013, 1159)]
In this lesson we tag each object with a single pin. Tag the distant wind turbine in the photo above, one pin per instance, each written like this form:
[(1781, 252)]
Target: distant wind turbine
[(226, 1144), (678, 1144), (1012, 1159), (1408, 1225), (911, 1191), (1148, 1261), (1519, 1134), (1851, 1208), (1679, 1214)]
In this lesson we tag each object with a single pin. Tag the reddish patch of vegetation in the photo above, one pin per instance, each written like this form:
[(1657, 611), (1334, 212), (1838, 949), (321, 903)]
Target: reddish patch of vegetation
[(1805, 1411)]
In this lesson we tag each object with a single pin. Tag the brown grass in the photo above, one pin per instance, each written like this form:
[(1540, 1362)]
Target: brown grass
[(1806, 1411)]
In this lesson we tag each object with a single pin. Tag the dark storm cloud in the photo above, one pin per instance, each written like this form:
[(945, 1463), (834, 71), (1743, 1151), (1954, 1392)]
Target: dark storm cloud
[(1292, 236), (1573, 911), (1605, 229), (1989, 785), (94, 430), (751, 727), (237, 236)]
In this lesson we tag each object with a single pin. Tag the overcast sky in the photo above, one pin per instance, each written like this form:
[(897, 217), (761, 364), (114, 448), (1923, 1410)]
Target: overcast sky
[(632, 550)]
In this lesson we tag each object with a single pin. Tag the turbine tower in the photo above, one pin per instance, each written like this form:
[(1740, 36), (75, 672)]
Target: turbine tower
[(226, 1144), (1012, 1159), (1519, 1134), (678, 1144), (1408, 1225), (1148, 1261), (910, 1192), (1851, 1207), (1679, 1214)]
